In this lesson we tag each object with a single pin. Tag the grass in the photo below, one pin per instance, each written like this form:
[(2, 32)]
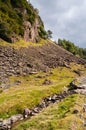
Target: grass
[(23, 43), (57, 117), (30, 91)]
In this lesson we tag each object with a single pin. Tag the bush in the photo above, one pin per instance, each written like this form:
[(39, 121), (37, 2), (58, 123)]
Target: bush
[(42, 32), (69, 46)]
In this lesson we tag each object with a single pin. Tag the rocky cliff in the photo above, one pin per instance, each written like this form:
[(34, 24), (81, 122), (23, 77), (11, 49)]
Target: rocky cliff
[(20, 20)]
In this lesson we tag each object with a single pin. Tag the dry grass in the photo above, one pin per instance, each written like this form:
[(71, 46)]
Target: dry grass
[(23, 43)]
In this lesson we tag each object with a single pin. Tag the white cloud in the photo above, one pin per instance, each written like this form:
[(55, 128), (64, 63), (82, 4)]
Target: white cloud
[(66, 18)]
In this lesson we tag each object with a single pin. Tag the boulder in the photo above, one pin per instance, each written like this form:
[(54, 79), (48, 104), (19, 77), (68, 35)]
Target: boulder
[(26, 112), (36, 110), (47, 82), (5, 124), (1, 123), (16, 118)]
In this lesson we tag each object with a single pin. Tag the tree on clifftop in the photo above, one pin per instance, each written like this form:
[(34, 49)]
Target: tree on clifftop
[(49, 34)]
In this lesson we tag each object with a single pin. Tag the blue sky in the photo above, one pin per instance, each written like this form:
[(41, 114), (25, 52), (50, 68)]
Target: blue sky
[(65, 18)]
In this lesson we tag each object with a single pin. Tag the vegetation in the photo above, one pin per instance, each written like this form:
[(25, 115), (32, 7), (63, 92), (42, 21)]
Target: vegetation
[(31, 90), (57, 116), (12, 16), (42, 32), (23, 43), (69, 46), (49, 34)]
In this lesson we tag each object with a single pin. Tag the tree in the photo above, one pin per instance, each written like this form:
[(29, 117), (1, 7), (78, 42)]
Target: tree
[(69, 46), (49, 34)]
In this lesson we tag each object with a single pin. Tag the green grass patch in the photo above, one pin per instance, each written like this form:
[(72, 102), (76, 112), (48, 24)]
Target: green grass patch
[(30, 91), (57, 116)]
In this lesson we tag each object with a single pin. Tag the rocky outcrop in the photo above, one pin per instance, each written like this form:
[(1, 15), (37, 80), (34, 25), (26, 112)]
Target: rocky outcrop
[(21, 21), (31, 32), (79, 85)]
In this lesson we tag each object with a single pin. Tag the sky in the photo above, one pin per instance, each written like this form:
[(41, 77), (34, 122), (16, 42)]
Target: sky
[(65, 18)]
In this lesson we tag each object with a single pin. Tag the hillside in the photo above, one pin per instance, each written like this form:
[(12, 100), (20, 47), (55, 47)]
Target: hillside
[(20, 20), (42, 85), (27, 60), (32, 74)]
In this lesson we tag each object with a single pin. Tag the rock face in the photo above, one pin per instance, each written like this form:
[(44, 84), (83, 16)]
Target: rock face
[(24, 22), (24, 61), (79, 85), (31, 31)]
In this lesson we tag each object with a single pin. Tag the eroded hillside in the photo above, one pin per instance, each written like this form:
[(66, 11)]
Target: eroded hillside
[(27, 60)]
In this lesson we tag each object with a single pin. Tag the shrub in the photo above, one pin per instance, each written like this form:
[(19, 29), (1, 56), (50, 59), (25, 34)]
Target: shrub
[(71, 47)]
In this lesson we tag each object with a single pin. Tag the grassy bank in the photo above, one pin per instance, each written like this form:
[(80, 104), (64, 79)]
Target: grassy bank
[(28, 91), (58, 116)]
